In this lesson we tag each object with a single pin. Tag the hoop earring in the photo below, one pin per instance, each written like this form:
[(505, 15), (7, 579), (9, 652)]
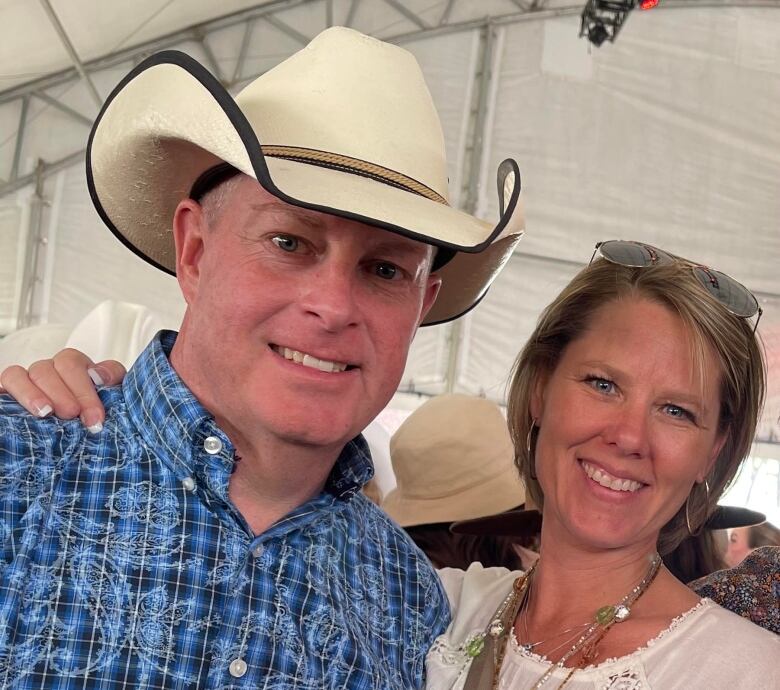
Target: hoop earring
[(528, 448), (688, 510)]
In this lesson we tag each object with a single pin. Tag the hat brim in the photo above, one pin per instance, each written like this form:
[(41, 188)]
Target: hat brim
[(512, 523), (502, 492), (729, 517), (169, 120)]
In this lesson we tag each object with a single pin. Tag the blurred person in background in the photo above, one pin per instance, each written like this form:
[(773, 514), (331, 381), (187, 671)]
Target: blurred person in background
[(742, 540), (705, 552)]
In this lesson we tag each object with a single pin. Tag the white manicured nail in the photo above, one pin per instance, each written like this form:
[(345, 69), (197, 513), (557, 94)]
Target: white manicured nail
[(42, 411), (97, 379), (95, 428)]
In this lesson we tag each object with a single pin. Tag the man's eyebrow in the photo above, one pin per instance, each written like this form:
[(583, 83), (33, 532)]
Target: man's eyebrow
[(291, 211), (401, 247)]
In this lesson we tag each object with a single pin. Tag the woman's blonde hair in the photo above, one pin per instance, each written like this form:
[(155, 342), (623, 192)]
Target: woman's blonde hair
[(673, 285)]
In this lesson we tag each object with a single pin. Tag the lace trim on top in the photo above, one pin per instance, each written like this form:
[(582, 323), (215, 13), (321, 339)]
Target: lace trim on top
[(627, 659)]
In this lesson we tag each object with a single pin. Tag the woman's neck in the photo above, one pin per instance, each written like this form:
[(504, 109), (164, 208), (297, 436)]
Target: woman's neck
[(572, 582)]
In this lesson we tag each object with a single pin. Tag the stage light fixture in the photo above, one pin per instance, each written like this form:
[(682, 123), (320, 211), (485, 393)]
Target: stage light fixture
[(602, 19)]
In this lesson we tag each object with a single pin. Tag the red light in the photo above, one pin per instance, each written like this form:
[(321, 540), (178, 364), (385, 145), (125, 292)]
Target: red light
[(648, 4)]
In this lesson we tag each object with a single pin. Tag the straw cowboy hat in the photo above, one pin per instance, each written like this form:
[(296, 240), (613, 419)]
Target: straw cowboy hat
[(453, 460), (345, 126)]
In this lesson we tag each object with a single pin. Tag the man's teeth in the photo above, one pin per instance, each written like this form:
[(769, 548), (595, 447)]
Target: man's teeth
[(601, 477), (309, 361)]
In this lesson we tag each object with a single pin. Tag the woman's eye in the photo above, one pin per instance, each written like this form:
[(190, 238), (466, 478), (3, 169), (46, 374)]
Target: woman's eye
[(286, 243), (600, 384), (386, 271), (678, 412)]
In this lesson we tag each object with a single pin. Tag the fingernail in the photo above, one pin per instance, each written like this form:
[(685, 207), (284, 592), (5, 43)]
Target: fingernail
[(41, 410), (97, 379), (93, 425), (95, 428)]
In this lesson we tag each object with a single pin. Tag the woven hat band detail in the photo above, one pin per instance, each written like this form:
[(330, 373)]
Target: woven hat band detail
[(355, 166)]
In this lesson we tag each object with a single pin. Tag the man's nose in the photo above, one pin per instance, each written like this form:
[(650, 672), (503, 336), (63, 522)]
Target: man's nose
[(330, 295)]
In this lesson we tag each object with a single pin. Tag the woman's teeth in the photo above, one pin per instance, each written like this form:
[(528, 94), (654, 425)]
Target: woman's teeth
[(607, 480), (309, 361)]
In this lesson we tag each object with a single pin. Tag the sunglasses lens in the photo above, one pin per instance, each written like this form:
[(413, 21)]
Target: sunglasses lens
[(731, 294), (630, 254)]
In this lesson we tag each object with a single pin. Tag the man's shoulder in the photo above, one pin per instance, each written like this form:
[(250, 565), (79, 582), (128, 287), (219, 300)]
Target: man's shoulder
[(386, 532), (388, 555), (17, 424), (383, 537)]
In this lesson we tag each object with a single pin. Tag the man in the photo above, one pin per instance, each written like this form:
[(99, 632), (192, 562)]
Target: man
[(212, 533)]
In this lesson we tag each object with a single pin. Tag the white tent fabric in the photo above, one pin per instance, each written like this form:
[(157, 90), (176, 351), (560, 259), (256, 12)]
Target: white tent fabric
[(670, 135)]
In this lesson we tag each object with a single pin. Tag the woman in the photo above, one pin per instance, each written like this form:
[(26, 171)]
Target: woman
[(631, 407), (743, 540)]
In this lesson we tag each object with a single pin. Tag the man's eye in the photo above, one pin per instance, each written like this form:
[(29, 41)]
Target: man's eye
[(386, 271), (286, 242)]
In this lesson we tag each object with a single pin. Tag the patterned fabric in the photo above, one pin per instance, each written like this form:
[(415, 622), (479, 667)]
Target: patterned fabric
[(752, 589), (706, 647), (124, 564)]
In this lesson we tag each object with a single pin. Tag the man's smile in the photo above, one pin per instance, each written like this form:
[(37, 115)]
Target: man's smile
[(311, 361)]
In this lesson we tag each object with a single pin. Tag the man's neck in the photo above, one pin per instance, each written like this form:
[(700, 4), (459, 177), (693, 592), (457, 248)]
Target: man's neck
[(270, 482), (274, 475)]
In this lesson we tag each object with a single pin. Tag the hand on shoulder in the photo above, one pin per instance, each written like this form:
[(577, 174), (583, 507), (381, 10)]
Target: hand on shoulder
[(64, 385)]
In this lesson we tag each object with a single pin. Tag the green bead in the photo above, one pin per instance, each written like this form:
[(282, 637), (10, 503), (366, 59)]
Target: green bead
[(605, 615), (475, 647)]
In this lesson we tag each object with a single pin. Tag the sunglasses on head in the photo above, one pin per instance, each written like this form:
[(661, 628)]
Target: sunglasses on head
[(734, 296)]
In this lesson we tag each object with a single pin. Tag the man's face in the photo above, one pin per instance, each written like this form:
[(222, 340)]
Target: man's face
[(299, 322)]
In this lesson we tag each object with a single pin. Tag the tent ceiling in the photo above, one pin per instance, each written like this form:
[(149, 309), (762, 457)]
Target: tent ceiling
[(54, 52)]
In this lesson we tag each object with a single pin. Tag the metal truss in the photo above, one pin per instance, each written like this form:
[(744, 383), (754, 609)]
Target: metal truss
[(267, 12)]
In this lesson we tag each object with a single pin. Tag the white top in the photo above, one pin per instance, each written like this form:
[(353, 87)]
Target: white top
[(708, 647)]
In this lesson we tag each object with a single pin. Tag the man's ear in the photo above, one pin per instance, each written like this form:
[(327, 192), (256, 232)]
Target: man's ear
[(189, 228), (432, 287)]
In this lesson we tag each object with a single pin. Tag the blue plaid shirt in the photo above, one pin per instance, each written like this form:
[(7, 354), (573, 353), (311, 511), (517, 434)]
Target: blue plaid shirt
[(124, 563)]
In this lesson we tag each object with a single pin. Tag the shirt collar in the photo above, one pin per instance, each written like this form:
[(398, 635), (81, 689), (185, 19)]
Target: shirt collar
[(165, 412), (170, 419), (352, 470)]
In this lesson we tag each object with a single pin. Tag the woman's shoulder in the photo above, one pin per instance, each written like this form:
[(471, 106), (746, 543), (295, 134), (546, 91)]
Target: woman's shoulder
[(734, 651), (743, 635), (709, 624), (474, 596)]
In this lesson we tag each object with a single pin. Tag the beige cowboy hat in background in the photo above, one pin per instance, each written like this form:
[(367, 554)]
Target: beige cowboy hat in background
[(453, 460), (345, 126)]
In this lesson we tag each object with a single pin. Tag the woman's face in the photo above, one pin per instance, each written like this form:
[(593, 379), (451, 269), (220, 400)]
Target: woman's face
[(738, 546), (626, 427)]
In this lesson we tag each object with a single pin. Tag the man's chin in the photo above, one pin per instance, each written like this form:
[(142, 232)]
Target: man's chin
[(315, 431)]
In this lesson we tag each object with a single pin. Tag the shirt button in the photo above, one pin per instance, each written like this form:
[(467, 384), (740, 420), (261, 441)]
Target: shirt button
[(237, 668), (258, 550), (188, 483), (212, 445)]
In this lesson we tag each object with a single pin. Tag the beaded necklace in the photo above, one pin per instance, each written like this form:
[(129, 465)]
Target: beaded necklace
[(489, 648)]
